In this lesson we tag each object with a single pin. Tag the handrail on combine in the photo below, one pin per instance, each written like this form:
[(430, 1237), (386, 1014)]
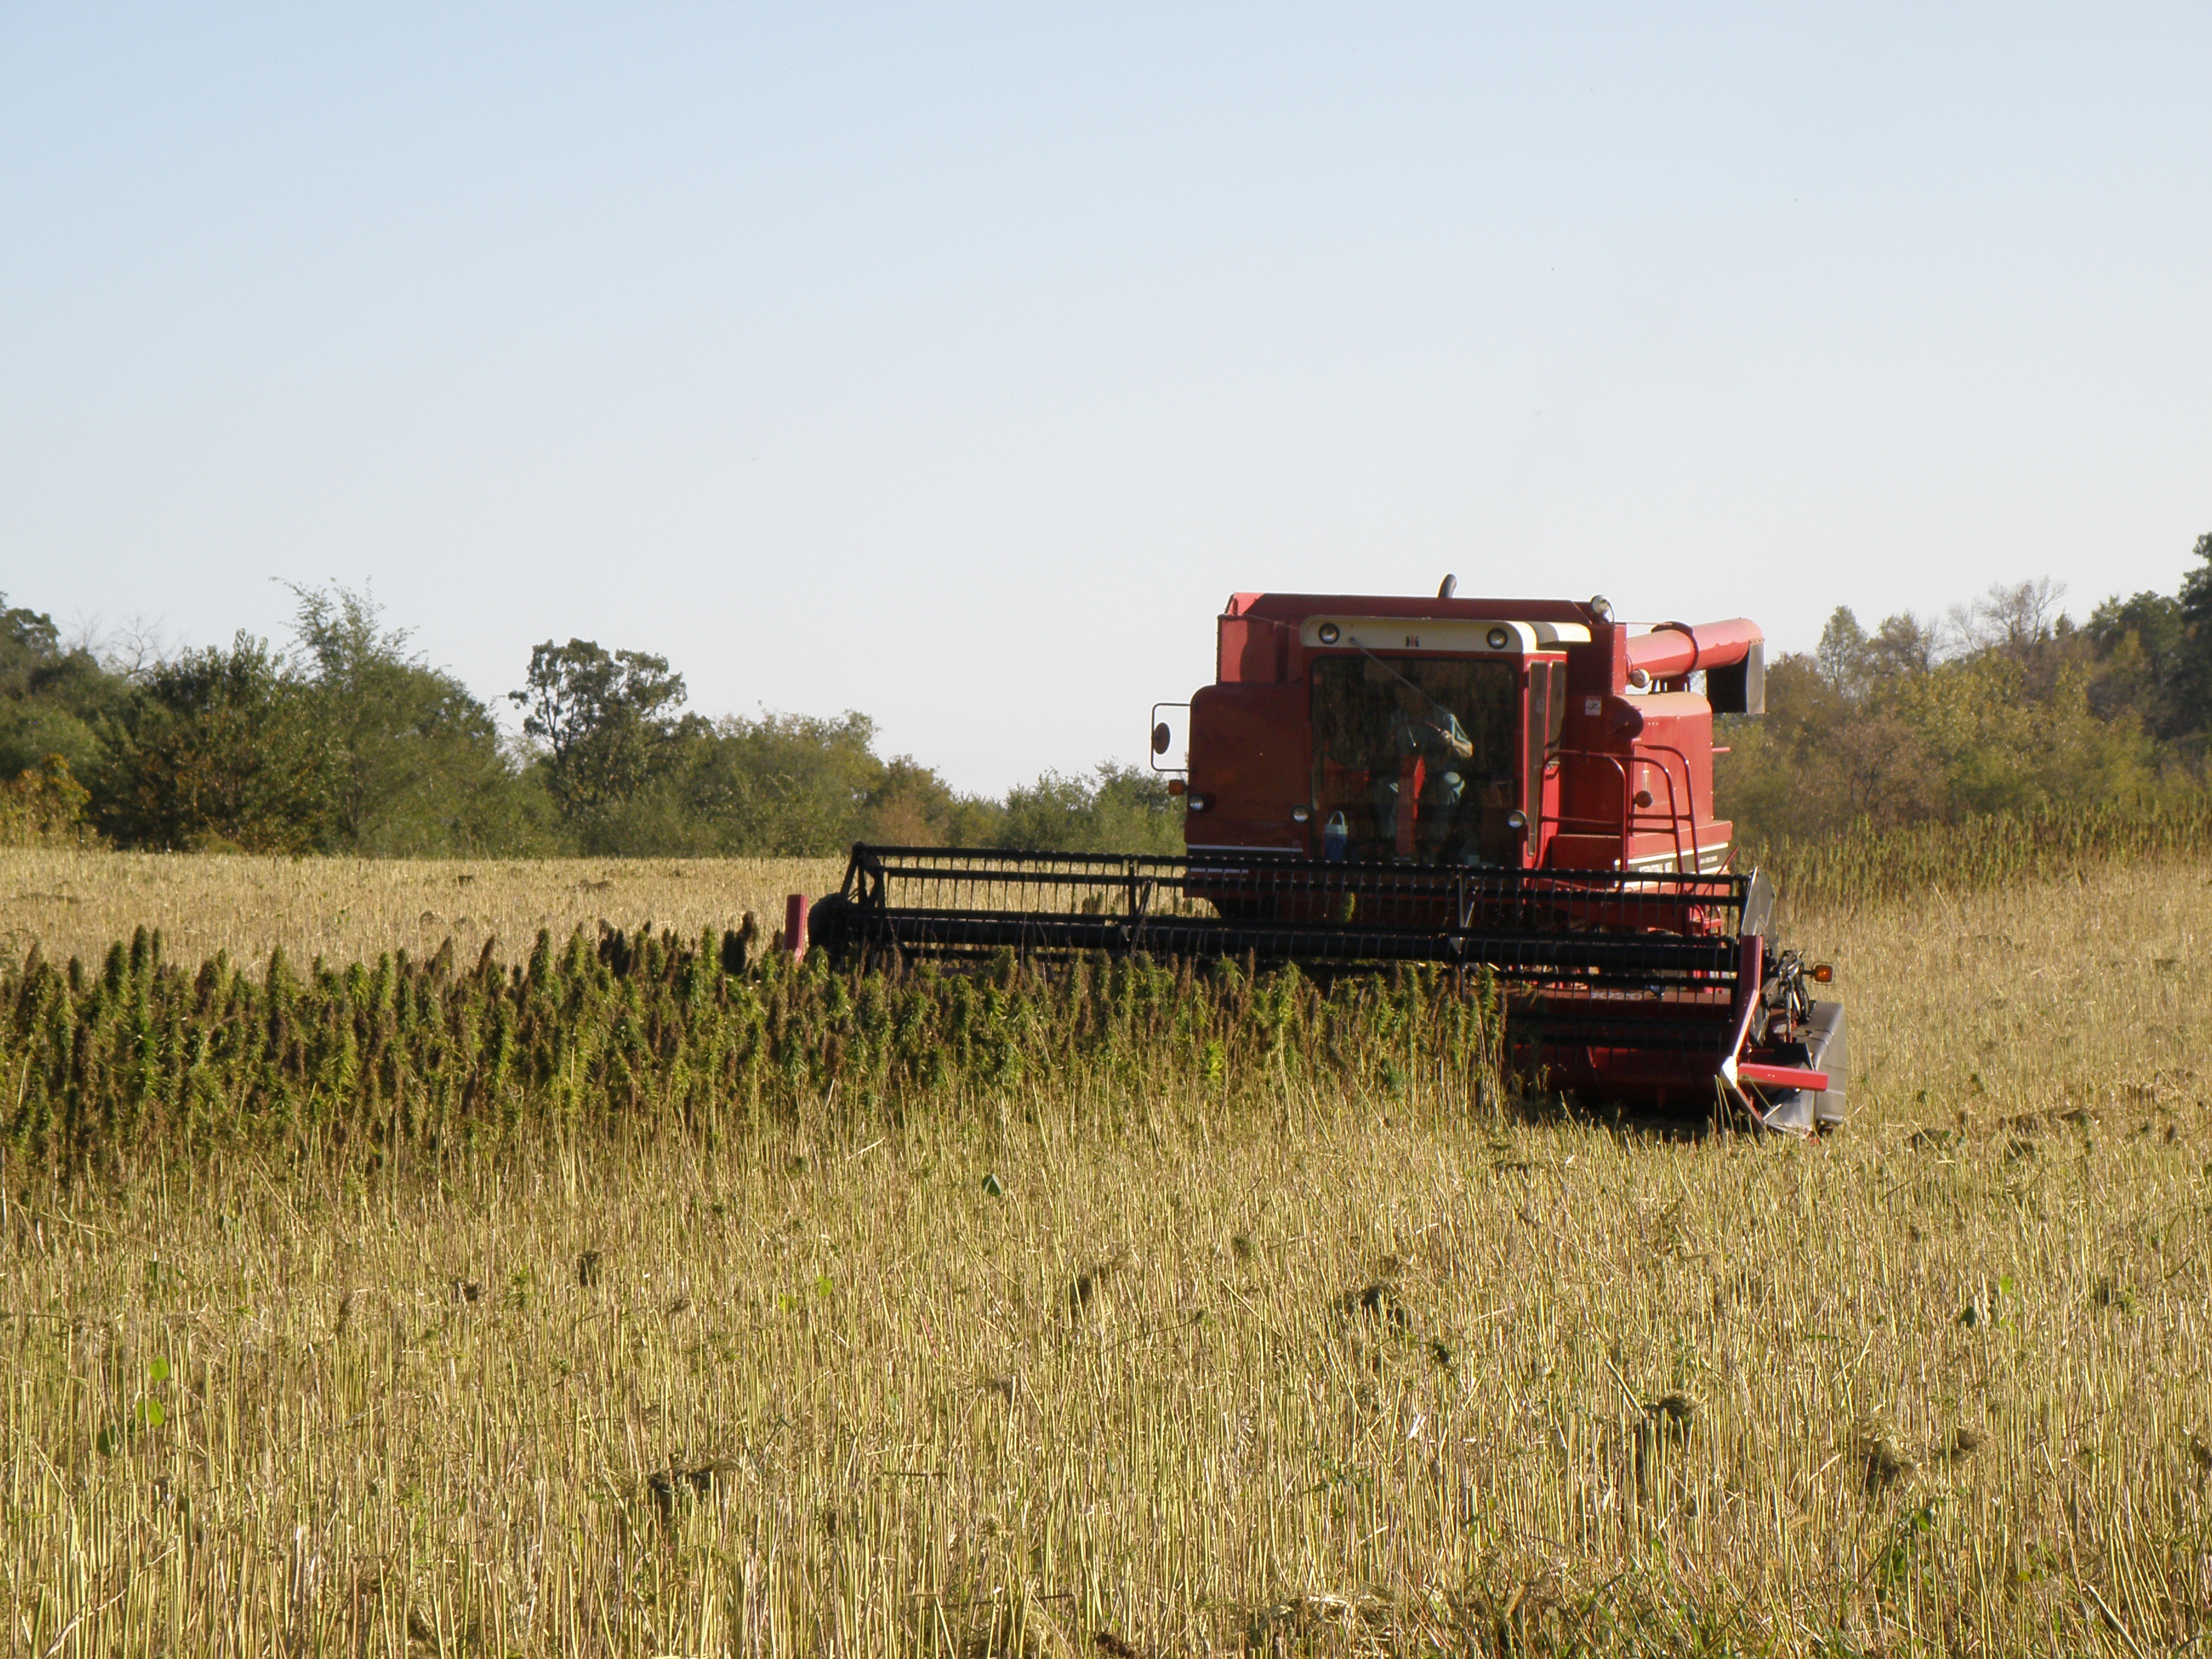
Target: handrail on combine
[(1676, 814), (1629, 818)]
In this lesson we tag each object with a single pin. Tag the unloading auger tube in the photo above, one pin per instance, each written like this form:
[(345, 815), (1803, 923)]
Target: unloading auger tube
[(1652, 986)]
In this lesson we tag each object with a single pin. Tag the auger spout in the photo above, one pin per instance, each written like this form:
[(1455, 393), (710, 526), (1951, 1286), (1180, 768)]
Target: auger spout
[(1678, 649)]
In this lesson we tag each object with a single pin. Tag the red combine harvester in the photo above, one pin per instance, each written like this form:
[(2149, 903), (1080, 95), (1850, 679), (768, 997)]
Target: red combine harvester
[(1516, 785)]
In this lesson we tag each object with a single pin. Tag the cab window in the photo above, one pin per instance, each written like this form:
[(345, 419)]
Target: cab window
[(1414, 757)]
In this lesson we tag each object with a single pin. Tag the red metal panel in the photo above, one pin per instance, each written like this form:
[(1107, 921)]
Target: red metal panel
[(1249, 652), (1578, 851), (1249, 761), (1664, 1051), (1597, 674), (1677, 744)]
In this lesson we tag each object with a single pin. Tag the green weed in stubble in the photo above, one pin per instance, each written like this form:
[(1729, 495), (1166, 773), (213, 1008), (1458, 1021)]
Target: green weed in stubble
[(641, 1032)]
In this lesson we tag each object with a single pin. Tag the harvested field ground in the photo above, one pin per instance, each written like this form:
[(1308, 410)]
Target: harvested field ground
[(1242, 1368), (344, 910)]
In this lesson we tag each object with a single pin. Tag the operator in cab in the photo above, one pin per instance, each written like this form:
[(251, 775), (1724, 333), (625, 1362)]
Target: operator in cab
[(1425, 730)]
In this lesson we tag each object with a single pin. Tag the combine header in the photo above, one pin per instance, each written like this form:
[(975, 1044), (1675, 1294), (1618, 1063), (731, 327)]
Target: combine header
[(1523, 786)]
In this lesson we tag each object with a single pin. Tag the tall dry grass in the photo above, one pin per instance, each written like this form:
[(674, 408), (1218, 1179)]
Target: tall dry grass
[(1867, 867), (1341, 1371)]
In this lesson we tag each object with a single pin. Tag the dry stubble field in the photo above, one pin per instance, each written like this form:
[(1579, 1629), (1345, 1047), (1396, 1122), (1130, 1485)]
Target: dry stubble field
[(74, 904), (1252, 1371)]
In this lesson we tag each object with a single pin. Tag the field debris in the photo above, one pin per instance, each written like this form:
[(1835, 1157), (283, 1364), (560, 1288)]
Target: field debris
[(1883, 1462), (677, 1484), (1091, 1280), (1378, 1301), (1962, 1443)]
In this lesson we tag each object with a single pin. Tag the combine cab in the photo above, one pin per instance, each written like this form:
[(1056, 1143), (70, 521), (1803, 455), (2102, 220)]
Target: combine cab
[(1521, 787)]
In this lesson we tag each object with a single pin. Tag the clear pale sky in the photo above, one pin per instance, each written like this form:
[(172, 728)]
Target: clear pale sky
[(952, 363)]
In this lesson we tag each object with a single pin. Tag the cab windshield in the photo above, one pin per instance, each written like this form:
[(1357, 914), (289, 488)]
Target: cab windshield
[(1414, 758)]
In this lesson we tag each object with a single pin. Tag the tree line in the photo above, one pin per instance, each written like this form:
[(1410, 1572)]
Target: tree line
[(346, 741), (2006, 705)]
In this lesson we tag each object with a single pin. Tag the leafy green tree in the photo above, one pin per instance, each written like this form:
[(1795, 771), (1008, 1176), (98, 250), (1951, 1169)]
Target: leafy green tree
[(52, 699), (911, 806), (43, 806), (2192, 679), (1831, 747), (224, 749), (420, 768), (1118, 809), (28, 643), (2001, 749), (608, 722), (1853, 664), (2140, 645), (1841, 655), (632, 777), (785, 785), (1903, 645)]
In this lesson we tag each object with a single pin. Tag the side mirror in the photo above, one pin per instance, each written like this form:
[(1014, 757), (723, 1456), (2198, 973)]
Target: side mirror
[(1169, 737), (1517, 820)]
